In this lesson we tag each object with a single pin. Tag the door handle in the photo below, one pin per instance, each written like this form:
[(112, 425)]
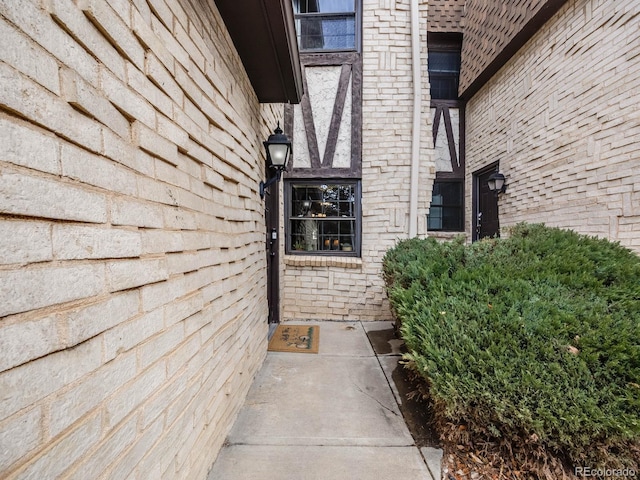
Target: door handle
[(273, 238)]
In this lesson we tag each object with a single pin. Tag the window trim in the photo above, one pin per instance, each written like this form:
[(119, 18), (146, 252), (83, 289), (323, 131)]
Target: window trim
[(357, 42), (357, 218), (459, 181), (438, 42)]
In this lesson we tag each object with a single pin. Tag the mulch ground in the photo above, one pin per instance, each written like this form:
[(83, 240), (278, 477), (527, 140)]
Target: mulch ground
[(486, 461)]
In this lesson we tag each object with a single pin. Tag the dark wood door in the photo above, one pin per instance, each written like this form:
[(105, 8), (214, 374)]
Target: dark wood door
[(485, 203), (271, 213)]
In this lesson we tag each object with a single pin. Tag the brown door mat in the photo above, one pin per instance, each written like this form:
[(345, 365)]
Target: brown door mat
[(295, 338)]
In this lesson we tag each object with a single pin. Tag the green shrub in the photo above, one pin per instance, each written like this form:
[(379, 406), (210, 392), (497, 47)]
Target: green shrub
[(531, 341)]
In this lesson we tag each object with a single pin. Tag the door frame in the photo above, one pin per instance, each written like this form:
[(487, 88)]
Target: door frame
[(272, 250), (475, 201)]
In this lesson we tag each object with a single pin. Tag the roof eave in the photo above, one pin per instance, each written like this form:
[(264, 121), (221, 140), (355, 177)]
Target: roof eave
[(263, 32)]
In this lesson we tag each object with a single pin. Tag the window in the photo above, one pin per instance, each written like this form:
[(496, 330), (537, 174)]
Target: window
[(325, 24), (444, 65), (446, 211), (323, 217)]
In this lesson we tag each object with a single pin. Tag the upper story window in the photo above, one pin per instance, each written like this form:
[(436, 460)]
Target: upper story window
[(326, 25), (444, 65)]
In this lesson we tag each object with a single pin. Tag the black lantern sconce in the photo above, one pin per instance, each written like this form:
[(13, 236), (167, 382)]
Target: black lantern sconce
[(278, 148), (497, 183)]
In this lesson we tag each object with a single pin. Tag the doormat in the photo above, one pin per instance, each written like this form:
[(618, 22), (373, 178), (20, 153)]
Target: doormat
[(295, 338)]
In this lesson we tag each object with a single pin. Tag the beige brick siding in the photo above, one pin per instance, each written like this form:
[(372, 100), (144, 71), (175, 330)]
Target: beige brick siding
[(562, 118), (132, 263), (337, 289)]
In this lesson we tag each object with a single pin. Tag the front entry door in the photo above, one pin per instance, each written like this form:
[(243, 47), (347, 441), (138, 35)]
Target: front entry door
[(271, 213), (485, 202)]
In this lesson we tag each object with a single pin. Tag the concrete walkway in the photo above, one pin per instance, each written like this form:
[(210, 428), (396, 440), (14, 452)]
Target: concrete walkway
[(330, 416)]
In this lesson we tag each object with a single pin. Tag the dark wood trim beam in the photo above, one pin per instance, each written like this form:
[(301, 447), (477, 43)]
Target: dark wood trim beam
[(336, 116), (449, 176), (436, 123), (317, 173), (309, 125), (462, 141), (328, 59), (356, 117), (288, 130), (448, 128), (547, 11), (435, 102)]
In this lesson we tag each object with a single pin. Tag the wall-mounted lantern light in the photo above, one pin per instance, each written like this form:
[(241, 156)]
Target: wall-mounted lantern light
[(497, 183), (278, 148)]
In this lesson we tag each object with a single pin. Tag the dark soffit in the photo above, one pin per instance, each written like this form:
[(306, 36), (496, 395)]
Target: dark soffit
[(263, 32)]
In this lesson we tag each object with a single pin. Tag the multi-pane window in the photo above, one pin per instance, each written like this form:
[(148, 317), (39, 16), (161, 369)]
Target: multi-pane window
[(326, 24), (323, 217), (444, 66), (444, 71), (446, 211)]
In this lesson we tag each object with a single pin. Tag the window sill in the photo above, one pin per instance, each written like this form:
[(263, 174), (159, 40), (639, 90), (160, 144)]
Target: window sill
[(322, 261), (442, 235)]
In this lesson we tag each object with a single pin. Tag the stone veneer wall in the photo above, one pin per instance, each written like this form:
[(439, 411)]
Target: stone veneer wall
[(132, 259), (562, 118), (343, 288)]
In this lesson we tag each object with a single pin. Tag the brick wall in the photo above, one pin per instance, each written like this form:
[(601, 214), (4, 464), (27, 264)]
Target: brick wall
[(341, 289), (132, 265), (562, 118)]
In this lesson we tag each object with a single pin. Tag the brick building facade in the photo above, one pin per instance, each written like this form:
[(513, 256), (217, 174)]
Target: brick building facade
[(543, 93), (561, 120), (133, 264)]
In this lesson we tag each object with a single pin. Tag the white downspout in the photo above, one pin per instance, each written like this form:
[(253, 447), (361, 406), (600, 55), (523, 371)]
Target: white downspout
[(417, 111)]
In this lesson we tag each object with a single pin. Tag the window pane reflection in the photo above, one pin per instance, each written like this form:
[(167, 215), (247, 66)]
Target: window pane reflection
[(323, 6), (322, 217), (446, 213)]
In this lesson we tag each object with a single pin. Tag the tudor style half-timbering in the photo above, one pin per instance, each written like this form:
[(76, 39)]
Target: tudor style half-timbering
[(132, 259), (446, 213), (549, 91), (327, 125), (322, 191), (348, 194), (504, 88), (554, 107)]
